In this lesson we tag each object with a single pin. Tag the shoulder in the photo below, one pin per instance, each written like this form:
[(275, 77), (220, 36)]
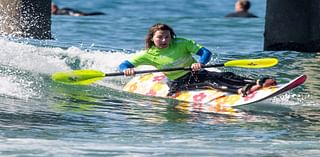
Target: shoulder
[(186, 44), (251, 15), (240, 14), (180, 40), (234, 14), (183, 41)]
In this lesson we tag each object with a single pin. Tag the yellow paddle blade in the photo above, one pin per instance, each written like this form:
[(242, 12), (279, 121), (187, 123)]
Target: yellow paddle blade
[(78, 77), (253, 63)]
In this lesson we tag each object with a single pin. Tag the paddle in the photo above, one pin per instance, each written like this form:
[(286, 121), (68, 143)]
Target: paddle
[(85, 77)]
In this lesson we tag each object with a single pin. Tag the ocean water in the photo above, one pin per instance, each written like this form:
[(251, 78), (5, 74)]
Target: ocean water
[(39, 117)]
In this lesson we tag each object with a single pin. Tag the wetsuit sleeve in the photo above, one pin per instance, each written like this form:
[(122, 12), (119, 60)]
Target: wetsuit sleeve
[(125, 65), (205, 55)]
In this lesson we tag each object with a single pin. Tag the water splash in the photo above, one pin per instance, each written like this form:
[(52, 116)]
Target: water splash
[(21, 89)]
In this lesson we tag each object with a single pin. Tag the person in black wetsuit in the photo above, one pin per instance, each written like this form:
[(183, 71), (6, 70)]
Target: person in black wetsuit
[(55, 10), (242, 10)]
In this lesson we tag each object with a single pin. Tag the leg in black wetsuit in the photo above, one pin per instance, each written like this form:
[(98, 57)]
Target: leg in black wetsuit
[(228, 81), (225, 81)]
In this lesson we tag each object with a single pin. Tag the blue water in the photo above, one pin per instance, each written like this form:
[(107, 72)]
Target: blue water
[(39, 117)]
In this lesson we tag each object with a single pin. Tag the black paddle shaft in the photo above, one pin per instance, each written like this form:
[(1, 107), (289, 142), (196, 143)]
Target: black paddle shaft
[(164, 70)]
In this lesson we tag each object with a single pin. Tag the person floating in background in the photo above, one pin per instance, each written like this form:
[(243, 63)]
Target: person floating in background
[(164, 50), (55, 10), (242, 10)]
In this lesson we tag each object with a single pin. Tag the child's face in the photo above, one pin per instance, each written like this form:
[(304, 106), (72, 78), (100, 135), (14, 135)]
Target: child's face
[(161, 38)]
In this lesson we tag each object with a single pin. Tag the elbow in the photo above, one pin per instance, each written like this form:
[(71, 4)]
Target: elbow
[(205, 55)]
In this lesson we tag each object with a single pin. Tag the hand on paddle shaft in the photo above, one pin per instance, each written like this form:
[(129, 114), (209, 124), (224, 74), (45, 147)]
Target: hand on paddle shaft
[(194, 67), (129, 72), (85, 77)]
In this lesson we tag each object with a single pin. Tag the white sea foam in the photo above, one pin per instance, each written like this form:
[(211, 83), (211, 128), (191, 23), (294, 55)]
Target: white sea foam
[(9, 86), (48, 60), (18, 59)]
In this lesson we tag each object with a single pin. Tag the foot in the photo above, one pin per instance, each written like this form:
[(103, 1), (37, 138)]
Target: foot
[(267, 82), (248, 89)]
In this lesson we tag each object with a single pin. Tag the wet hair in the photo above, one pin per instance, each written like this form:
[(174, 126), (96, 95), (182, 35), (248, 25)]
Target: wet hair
[(245, 4), (159, 26), (54, 8)]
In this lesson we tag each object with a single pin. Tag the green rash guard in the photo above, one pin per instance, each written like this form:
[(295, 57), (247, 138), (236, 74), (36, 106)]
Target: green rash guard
[(178, 54)]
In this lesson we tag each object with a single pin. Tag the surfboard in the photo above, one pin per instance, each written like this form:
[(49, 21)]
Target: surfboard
[(210, 100)]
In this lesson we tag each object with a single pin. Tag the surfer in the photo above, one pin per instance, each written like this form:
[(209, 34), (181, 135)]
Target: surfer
[(241, 9), (55, 10), (164, 50)]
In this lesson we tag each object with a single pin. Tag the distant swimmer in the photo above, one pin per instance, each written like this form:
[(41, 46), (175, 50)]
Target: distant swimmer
[(242, 9), (55, 10)]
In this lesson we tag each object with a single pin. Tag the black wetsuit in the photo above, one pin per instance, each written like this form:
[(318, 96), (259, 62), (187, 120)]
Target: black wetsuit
[(69, 11), (241, 14), (225, 81)]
